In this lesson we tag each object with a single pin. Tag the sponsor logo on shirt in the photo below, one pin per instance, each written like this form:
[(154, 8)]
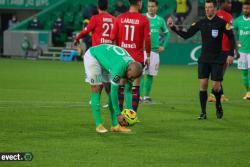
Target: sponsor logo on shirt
[(154, 30), (116, 79), (125, 45), (106, 41), (244, 32)]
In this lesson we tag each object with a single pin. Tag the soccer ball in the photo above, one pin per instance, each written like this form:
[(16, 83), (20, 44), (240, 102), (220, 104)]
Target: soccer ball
[(130, 116)]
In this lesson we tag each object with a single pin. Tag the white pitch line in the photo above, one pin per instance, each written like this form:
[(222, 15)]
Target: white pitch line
[(66, 102), (44, 104), (40, 102)]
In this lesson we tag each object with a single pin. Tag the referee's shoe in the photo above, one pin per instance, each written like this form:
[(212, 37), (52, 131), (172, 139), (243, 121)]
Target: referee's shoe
[(202, 116), (219, 112)]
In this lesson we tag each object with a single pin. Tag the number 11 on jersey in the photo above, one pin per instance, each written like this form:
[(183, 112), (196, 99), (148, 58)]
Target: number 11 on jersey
[(130, 31)]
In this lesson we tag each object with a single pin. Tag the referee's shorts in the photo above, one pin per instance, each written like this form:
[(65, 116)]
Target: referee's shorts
[(213, 69)]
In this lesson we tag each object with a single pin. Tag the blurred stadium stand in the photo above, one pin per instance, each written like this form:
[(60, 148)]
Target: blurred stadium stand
[(72, 14)]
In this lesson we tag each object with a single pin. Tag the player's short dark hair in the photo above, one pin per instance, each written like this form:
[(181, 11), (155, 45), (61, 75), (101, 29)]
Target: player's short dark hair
[(246, 2), (212, 1), (133, 2), (224, 1), (155, 1), (103, 4)]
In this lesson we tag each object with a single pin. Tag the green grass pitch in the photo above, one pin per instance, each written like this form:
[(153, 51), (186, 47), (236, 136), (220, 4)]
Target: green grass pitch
[(44, 110)]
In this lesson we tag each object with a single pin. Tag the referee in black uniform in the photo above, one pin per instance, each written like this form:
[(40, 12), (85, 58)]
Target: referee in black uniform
[(211, 60)]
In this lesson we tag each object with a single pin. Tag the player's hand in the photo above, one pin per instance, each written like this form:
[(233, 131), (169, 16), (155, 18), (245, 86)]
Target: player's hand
[(230, 60), (122, 120), (147, 62), (160, 49), (170, 22), (76, 42)]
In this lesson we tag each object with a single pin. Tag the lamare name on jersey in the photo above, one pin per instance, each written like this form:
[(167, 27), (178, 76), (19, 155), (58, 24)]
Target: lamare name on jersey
[(130, 21)]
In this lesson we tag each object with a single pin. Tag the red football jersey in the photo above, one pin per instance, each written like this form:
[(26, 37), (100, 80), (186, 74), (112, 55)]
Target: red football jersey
[(100, 25), (229, 19), (130, 31)]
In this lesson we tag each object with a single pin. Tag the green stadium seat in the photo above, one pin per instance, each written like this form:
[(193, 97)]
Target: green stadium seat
[(68, 17), (77, 7), (54, 15), (48, 25), (72, 13), (78, 21)]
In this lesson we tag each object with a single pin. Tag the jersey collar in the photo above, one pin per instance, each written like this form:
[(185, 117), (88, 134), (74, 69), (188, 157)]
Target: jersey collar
[(151, 17), (246, 19), (212, 18)]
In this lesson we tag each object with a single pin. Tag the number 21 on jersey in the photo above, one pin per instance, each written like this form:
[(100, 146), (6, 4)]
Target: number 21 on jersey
[(107, 29)]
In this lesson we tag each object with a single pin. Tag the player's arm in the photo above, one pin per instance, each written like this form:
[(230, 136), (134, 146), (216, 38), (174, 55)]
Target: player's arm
[(166, 36), (236, 28), (86, 30), (147, 37), (115, 105), (115, 81), (114, 95), (184, 34), (147, 41), (229, 32)]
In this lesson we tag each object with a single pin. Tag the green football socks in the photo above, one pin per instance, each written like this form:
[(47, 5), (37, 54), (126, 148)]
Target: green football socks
[(148, 85), (112, 113), (95, 105), (246, 78)]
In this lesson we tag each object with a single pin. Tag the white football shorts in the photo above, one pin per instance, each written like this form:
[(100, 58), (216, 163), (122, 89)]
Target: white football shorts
[(94, 73), (244, 61), (154, 64)]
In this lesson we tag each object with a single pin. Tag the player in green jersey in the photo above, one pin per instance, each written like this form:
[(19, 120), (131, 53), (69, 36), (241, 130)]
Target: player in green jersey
[(157, 27), (242, 26), (98, 62)]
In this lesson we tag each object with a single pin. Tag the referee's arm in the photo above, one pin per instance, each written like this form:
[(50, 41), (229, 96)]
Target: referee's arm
[(186, 34)]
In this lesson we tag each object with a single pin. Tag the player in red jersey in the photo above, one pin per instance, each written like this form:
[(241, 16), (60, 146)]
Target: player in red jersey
[(130, 31), (224, 13), (100, 25)]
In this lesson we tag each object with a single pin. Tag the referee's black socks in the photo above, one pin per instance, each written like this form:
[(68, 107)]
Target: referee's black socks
[(221, 90), (203, 101), (217, 97)]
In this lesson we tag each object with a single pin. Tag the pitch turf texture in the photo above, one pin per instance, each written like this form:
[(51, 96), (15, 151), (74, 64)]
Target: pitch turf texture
[(44, 110)]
